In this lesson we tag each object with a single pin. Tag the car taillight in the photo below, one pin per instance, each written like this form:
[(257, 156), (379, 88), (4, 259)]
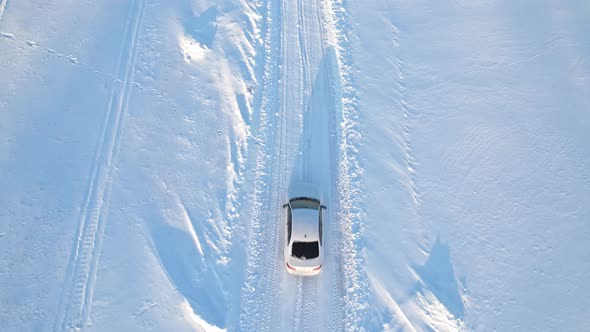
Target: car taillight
[(317, 268), (290, 267)]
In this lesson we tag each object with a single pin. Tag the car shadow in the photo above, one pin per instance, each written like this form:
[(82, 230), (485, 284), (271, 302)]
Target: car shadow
[(314, 155)]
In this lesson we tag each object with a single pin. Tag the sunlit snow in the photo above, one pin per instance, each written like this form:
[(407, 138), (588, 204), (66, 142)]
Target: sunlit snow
[(147, 148)]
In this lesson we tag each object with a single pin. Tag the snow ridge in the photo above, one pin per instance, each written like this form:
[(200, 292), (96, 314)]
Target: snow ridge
[(351, 212), (251, 312)]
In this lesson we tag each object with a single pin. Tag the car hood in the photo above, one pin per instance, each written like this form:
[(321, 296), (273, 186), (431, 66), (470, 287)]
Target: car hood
[(303, 189)]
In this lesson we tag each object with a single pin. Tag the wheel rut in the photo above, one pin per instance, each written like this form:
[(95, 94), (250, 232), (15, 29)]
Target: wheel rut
[(76, 299)]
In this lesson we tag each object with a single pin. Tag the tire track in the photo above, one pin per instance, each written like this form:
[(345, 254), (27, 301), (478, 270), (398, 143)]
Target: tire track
[(332, 278), (299, 297), (271, 298), (274, 263), (273, 267), (263, 299), (309, 308), (305, 168), (306, 305), (76, 299), (333, 229), (270, 318), (298, 304), (303, 52), (317, 302), (259, 286)]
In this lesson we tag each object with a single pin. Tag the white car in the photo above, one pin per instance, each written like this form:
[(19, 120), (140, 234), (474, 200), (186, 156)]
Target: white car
[(302, 216)]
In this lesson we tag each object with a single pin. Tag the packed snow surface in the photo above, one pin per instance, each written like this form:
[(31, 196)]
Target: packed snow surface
[(147, 148)]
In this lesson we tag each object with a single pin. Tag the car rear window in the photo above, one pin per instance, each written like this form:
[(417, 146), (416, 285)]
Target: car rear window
[(306, 250), (304, 203)]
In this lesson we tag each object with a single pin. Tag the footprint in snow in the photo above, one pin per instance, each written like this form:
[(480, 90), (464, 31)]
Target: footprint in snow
[(7, 35)]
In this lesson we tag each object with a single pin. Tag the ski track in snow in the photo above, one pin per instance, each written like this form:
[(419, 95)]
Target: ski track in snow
[(76, 300)]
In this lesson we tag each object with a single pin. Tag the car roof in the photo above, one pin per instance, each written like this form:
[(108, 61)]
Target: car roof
[(305, 225)]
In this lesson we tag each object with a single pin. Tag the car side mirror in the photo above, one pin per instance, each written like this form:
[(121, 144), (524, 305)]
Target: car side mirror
[(285, 205), (323, 207)]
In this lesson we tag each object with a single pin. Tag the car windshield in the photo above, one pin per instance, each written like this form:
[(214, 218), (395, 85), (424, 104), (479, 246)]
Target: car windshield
[(306, 250), (304, 203)]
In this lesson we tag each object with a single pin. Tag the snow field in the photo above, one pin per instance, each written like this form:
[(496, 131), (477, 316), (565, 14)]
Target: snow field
[(147, 148)]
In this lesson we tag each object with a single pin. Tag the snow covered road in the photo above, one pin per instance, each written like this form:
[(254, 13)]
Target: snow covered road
[(298, 142)]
